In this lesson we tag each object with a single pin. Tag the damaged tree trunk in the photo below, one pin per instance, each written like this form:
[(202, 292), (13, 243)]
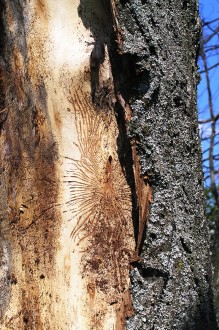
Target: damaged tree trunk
[(97, 115)]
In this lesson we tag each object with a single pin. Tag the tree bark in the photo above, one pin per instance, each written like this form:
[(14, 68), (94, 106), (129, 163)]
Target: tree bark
[(97, 114), (172, 286)]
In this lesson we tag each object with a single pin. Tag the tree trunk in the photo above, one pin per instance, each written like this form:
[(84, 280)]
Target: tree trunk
[(97, 114)]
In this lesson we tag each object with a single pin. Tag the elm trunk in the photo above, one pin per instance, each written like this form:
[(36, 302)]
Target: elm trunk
[(102, 209)]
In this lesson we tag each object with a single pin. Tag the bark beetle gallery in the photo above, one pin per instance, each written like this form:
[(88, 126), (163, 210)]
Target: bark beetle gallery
[(100, 198)]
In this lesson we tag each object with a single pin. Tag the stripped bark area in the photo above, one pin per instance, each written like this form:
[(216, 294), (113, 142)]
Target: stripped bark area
[(74, 203), (100, 202)]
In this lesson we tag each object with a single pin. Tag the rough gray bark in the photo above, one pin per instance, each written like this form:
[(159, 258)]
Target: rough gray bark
[(172, 287)]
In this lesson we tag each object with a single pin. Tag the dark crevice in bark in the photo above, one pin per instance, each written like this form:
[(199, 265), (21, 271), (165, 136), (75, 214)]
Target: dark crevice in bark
[(126, 161), (96, 59), (154, 272), (185, 4), (124, 72), (185, 246), (123, 2), (123, 77), (126, 83), (142, 238)]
